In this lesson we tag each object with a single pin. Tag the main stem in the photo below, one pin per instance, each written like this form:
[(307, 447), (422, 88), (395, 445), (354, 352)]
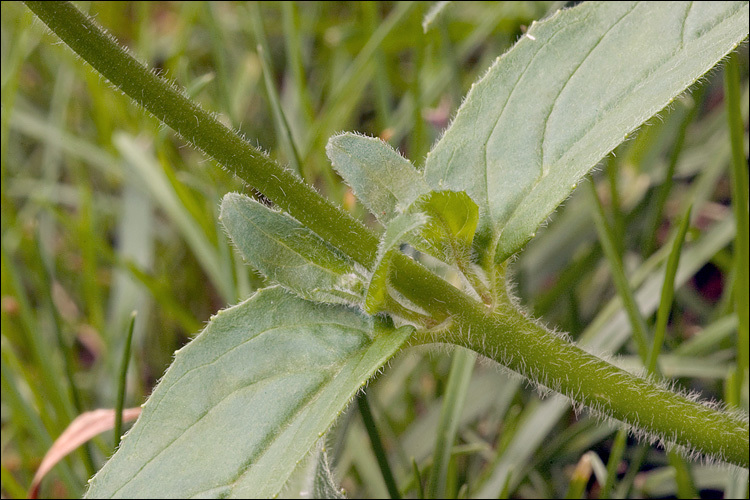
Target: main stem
[(504, 334), (519, 342)]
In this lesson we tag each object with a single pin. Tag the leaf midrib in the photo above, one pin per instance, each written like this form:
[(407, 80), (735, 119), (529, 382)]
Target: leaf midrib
[(302, 404)]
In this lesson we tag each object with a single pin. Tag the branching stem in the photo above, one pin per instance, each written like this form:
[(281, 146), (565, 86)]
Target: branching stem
[(506, 335)]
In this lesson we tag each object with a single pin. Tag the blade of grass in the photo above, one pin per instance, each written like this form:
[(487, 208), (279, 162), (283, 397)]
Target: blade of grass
[(123, 381), (667, 293), (610, 246), (683, 477), (383, 90), (462, 367), (279, 119), (655, 213), (218, 45), (87, 229), (417, 479), (618, 224), (52, 390), (615, 457), (377, 445), (281, 124), (626, 485), (28, 419), (705, 342), (145, 167), (417, 137), (46, 263), (347, 90), (293, 46), (740, 207), (11, 487)]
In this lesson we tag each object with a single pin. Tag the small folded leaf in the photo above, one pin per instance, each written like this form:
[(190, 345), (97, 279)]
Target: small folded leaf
[(289, 253), (383, 180), (567, 94), (453, 218), (399, 230), (247, 399)]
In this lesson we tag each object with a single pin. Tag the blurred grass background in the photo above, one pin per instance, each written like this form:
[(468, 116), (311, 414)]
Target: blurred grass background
[(105, 212)]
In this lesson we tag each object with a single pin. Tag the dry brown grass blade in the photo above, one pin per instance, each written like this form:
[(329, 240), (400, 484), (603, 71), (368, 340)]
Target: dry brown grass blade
[(81, 429)]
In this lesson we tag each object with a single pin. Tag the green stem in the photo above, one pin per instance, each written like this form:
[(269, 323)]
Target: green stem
[(507, 336), (377, 446), (615, 455), (462, 367), (611, 250), (740, 207), (520, 343), (122, 382), (667, 293)]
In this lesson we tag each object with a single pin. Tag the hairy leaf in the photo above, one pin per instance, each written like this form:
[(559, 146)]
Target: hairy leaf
[(398, 231), (383, 180), (289, 253), (247, 399), (564, 96), (453, 218)]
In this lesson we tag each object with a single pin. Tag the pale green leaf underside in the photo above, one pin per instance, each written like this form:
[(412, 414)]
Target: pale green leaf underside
[(383, 180), (564, 96), (289, 253), (247, 399)]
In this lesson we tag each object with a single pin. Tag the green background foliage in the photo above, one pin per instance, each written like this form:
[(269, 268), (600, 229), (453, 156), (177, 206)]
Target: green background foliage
[(104, 211)]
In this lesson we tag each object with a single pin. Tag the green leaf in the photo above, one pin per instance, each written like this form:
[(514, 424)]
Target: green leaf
[(248, 399), (453, 218), (289, 253), (383, 180), (398, 231), (564, 96)]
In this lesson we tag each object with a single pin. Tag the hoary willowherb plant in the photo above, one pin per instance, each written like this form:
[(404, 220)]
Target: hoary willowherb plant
[(250, 396)]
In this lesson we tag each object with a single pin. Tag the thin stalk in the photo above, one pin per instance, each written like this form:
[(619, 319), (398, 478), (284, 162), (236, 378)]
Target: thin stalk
[(377, 446), (279, 119), (683, 477), (626, 485), (610, 247), (220, 62), (293, 45), (667, 293), (507, 336), (383, 94), (739, 180), (417, 478), (618, 225), (123, 380), (655, 213), (615, 456), (48, 281), (462, 367), (417, 136)]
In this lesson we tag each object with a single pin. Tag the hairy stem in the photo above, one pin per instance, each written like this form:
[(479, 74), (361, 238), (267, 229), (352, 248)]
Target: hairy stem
[(172, 106), (505, 335), (650, 409)]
